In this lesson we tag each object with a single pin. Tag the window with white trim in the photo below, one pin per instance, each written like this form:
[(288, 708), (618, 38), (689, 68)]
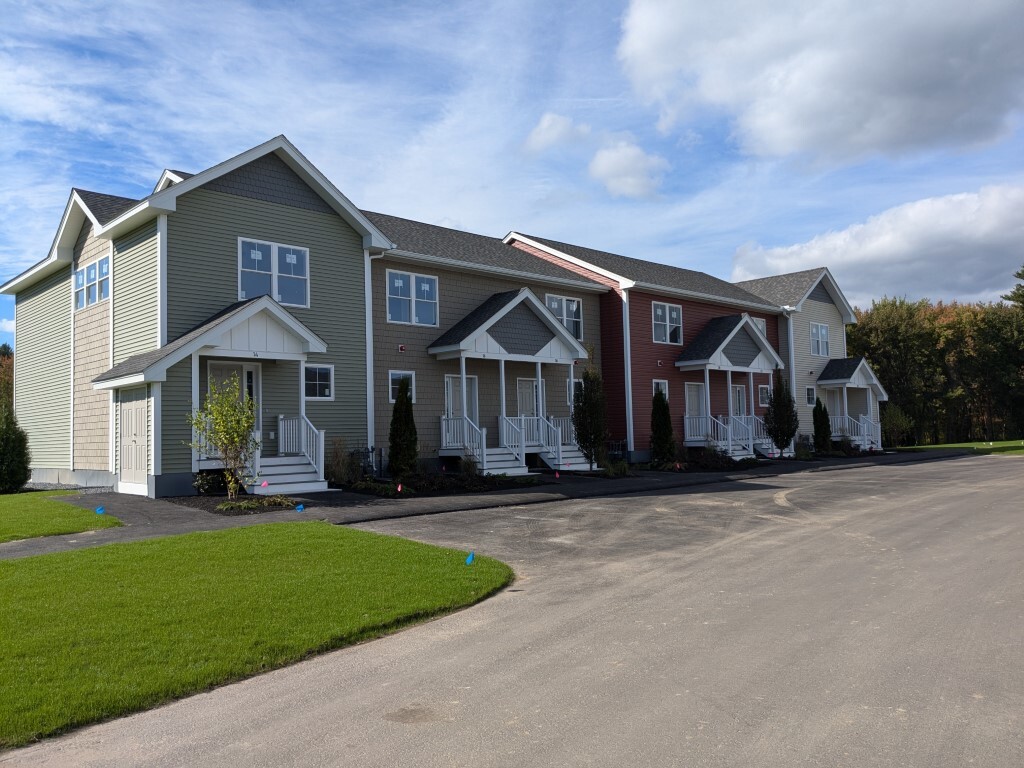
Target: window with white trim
[(660, 385), (762, 325), (819, 339), (412, 298), (272, 269), (668, 323), (763, 392), (569, 312), (810, 397), (319, 382), (92, 283), (575, 389), (395, 378)]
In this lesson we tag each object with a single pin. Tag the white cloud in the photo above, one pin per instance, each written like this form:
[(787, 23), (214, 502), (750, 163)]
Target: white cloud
[(6, 326), (555, 129), (963, 247), (626, 170), (837, 79)]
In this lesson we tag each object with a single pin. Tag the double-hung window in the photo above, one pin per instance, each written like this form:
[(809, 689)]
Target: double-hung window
[(395, 379), (569, 312), (668, 323), (92, 283), (819, 339), (761, 324), (810, 396), (660, 385), (272, 269), (319, 380), (762, 395), (412, 298)]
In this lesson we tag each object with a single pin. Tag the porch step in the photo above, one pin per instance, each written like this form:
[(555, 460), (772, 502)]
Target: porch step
[(286, 474), (572, 460), (500, 461)]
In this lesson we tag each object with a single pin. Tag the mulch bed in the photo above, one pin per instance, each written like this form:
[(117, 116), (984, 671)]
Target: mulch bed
[(209, 504)]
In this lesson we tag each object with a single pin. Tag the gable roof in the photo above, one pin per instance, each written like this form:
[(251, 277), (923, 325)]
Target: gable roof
[(468, 250), (153, 365), (475, 320), (707, 346), (793, 288), (649, 275), (845, 370), (105, 208)]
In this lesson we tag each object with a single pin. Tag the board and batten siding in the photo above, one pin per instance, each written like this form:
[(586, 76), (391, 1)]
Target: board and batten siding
[(459, 293), (135, 293), (92, 357), (818, 307), (202, 279), (42, 369)]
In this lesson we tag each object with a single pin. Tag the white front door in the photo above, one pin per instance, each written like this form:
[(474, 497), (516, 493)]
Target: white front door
[(739, 400), (453, 397), (833, 402), (696, 407), (134, 415), (527, 393), (248, 381)]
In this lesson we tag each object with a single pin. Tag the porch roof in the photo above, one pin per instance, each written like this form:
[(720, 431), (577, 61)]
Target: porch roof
[(851, 371), (512, 325), (732, 342), (261, 326)]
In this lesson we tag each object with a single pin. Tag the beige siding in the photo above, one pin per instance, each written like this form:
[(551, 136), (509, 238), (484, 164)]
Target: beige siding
[(136, 321), (42, 369), (176, 404), (459, 293), (202, 279), (808, 366), (92, 357)]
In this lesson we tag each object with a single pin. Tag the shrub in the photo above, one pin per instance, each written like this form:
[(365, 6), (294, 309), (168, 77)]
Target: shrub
[(663, 442), (781, 421), (225, 427), (588, 416), (711, 460), (208, 482), (822, 428), (402, 439), (344, 467), (897, 426), (14, 454), (616, 469)]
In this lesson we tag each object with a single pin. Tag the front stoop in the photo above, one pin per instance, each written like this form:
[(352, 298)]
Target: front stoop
[(573, 460), (286, 474)]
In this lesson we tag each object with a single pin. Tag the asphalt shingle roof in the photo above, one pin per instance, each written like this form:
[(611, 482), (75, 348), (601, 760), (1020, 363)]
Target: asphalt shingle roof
[(471, 322), (105, 208), (676, 278), (137, 364), (839, 370), (785, 290), (710, 338), (432, 240)]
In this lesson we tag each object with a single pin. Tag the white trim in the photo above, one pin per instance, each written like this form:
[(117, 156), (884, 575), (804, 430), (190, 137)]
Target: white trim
[(412, 298), (71, 431), (832, 288), (195, 406), (412, 388), (110, 314), (624, 282), (764, 389), (133, 489), (810, 339), (628, 356), (330, 367), (167, 179), (813, 393), (668, 325), (563, 299), (718, 361), (85, 283), (654, 387), (275, 292), (156, 435), (371, 417), (62, 250), (111, 421), (161, 294)]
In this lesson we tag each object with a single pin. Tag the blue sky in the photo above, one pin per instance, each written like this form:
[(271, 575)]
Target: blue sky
[(882, 139)]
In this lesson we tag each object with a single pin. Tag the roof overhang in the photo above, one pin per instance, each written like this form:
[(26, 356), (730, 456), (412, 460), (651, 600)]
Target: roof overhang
[(767, 359), (832, 288), (862, 377), (696, 296), (624, 282)]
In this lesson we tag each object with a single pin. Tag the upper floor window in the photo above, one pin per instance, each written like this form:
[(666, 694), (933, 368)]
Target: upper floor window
[(92, 283), (819, 339), (412, 298), (761, 324), (668, 323), (272, 269), (568, 311)]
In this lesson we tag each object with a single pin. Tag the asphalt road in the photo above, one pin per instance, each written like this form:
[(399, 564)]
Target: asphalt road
[(868, 617)]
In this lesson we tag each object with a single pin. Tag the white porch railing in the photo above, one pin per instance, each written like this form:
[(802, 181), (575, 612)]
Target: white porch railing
[(844, 426), (461, 432), (740, 433), (297, 435), (511, 437), (530, 426), (551, 438), (706, 429), (210, 459), (564, 423), (873, 431)]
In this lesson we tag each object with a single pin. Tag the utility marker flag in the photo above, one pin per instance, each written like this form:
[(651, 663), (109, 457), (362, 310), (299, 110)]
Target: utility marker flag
[(469, 560), (300, 508), (100, 511)]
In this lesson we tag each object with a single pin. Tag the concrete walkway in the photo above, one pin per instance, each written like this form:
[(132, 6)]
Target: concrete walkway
[(144, 518)]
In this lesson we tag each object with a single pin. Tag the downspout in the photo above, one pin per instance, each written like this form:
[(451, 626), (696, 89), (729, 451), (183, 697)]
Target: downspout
[(368, 302), (787, 312), (627, 351)]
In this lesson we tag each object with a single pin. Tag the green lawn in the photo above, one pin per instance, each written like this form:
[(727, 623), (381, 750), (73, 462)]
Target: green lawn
[(27, 515), (96, 633), (1002, 447)]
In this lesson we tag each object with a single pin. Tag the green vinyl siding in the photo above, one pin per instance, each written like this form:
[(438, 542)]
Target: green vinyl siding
[(202, 279), (136, 306), (175, 406), (280, 396), (42, 369)]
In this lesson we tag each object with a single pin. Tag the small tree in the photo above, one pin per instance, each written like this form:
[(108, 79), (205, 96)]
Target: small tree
[(822, 428), (897, 426), (225, 427), (588, 416), (1016, 296), (402, 439), (6, 381), (14, 454), (781, 421), (663, 442)]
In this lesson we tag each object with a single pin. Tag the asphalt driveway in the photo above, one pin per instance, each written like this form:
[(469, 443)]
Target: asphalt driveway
[(870, 617)]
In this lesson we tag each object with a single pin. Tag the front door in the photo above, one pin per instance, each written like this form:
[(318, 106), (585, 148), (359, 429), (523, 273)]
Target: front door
[(696, 407), (739, 400), (453, 397), (834, 402), (248, 381), (134, 415)]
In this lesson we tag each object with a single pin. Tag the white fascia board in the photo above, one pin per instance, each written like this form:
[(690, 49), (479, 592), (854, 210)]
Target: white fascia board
[(167, 179), (652, 288), (837, 296), (455, 354), (61, 251), (762, 342), (692, 365), (462, 266), (124, 381), (624, 282)]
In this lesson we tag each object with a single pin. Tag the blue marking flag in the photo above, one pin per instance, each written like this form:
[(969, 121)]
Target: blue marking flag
[(100, 510), (300, 508), (469, 560)]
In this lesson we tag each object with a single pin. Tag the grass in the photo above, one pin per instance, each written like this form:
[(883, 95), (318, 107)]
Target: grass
[(97, 633), (27, 515), (1003, 447)]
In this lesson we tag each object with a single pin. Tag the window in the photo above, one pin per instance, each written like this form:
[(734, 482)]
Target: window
[(395, 377), (92, 283), (810, 396), (270, 269), (762, 395), (568, 311), (761, 324), (819, 339), (412, 298), (660, 385), (319, 382), (574, 392), (668, 323)]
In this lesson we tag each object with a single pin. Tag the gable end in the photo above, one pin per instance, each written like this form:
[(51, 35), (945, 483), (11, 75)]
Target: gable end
[(269, 179)]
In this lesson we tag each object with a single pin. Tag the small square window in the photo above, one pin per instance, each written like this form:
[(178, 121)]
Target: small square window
[(319, 382), (763, 392), (811, 396), (395, 378)]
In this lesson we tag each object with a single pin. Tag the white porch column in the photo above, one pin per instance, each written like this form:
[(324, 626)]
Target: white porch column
[(538, 392), (846, 411), (302, 387), (750, 388), (572, 387), (462, 388), (707, 393), (501, 385), (728, 389)]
